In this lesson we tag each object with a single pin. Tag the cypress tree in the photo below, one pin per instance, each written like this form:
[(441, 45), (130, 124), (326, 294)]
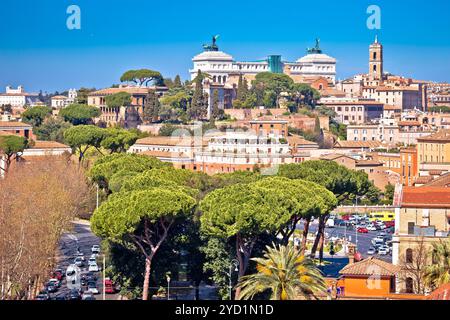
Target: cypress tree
[(215, 112), (177, 81), (199, 105), (151, 107)]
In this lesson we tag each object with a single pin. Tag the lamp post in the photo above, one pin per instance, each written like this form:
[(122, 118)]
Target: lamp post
[(104, 276), (234, 263), (168, 285)]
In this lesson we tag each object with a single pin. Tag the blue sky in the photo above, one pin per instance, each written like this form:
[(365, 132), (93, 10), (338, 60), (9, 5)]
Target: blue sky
[(38, 51)]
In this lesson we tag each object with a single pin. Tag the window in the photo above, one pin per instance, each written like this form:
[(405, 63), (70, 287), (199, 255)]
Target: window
[(409, 255), (409, 285), (410, 227)]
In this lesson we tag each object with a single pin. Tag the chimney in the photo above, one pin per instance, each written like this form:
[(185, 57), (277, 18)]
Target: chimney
[(351, 253)]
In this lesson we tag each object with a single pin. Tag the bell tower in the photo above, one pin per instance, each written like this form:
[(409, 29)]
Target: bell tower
[(376, 61)]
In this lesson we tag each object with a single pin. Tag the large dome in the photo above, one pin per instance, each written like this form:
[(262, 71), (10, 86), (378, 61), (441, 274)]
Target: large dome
[(213, 56), (317, 58)]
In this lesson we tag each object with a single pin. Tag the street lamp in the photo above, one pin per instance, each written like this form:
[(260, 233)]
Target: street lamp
[(168, 285), (234, 263)]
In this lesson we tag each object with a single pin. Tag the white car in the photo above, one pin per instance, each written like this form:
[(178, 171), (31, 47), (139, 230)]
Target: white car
[(92, 288), (371, 251), (382, 251), (385, 247), (92, 260), (95, 249), (371, 227), (93, 267)]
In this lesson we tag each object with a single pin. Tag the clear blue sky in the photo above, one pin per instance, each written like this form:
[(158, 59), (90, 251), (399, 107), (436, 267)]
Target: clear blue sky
[(38, 51)]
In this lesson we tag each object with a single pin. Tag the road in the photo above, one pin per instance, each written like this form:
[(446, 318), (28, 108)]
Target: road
[(81, 237), (363, 239)]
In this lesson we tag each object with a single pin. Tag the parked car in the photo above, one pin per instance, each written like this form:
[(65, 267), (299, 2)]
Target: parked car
[(87, 296), (371, 227), (382, 251), (55, 282), (51, 287), (389, 224), (93, 267), (58, 274), (109, 286), (42, 296), (78, 262), (90, 276), (371, 251), (95, 249), (362, 230), (92, 287), (387, 248), (74, 294)]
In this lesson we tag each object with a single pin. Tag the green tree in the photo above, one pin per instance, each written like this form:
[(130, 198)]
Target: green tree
[(81, 138), (152, 107), (79, 114), (52, 129), (6, 108), (438, 273), (307, 199), (303, 94), (143, 218), (12, 146), (107, 166), (118, 140), (36, 115), (344, 183), (141, 77), (216, 112), (198, 108), (82, 95), (286, 274), (177, 82), (241, 213)]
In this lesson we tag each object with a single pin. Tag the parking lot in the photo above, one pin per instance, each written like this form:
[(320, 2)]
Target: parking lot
[(344, 230)]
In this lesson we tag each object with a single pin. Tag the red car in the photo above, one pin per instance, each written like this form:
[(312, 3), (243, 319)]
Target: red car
[(362, 230), (389, 224), (109, 286)]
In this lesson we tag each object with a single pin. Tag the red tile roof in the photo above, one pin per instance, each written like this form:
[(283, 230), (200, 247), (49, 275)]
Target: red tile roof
[(441, 293), (370, 266), (441, 136), (10, 124), (425, 197)]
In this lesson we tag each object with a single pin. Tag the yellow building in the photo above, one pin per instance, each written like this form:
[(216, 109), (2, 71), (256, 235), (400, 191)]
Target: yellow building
[(434, 148)]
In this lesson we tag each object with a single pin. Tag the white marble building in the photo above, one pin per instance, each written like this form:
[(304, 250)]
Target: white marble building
[(220, 65)]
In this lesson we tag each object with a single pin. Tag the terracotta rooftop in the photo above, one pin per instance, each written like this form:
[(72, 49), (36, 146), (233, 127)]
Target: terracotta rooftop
[(391, 107), (409, 123), (48, 145), (426, 197), (370, 163), (442, 136), (130, 90), (396, 89), (354, 103), (442, 181), (370, 266), (165, 154), (357, 144), (441, 293), (298, 140), (186, 141), (334, 156), (60, 97), (423, 180), (11, 124)]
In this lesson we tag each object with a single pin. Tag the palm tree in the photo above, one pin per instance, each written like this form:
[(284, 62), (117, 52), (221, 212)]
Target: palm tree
[(438, 273), (286, 273)]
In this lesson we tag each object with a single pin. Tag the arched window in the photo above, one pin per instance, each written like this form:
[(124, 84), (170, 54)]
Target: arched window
[(374, 56), (409, 285), (375, 67), (409, 255), (214, 78)]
